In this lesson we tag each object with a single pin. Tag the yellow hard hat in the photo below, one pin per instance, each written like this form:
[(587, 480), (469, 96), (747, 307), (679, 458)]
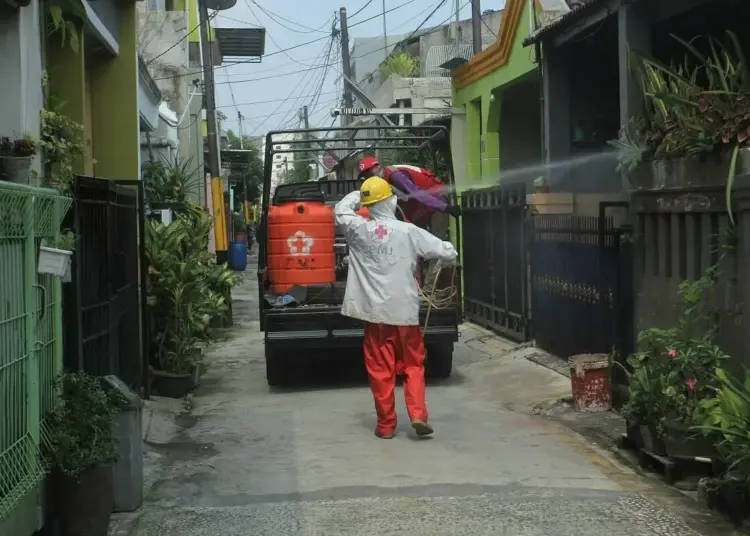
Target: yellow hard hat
[(373, 190)]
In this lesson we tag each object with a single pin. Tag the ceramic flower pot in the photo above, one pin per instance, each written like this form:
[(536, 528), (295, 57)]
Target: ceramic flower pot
[(682, 442), (83, 505), (15, 169), (173, 385)]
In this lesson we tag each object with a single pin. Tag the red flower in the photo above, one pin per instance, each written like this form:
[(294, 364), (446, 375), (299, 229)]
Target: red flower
[(672, 352), (690, 382)]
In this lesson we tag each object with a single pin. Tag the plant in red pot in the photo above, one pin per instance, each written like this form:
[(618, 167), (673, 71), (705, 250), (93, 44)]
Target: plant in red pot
[(81, 449)]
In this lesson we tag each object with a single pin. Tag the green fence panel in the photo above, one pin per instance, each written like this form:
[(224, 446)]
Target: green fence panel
[(30, 335)]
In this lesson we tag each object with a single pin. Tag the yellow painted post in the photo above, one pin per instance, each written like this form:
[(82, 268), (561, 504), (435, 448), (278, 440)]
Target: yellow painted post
[(220, 220)]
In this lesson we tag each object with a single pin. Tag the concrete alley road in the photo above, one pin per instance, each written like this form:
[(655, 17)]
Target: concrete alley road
[(250, 461)]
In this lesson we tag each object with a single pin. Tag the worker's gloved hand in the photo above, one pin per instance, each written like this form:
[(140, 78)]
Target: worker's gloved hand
[(454, 210)]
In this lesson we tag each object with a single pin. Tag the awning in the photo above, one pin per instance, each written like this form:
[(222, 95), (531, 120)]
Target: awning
[(580, 10), (241, 42)]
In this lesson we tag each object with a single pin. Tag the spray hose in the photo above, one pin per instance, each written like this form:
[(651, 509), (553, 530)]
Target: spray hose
[(438, 299)]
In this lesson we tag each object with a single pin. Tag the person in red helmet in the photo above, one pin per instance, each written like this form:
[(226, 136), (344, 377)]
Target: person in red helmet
[(422, 188)]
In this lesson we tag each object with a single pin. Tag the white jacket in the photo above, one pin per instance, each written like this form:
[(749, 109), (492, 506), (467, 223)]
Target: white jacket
[(383, 253)]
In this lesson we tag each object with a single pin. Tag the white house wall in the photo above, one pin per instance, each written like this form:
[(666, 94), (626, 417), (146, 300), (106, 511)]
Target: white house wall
[(21, 68), (163, 46)]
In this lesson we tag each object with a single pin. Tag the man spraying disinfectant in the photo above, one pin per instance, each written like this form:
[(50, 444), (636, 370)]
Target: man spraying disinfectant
[(423, 190), (381, 291)]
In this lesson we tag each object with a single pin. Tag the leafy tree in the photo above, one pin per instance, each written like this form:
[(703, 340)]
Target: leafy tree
[(400, 64), (301, 170), (255, 162)]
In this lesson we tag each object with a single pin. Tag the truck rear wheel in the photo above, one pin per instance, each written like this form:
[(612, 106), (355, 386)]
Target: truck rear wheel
[(276, 374), (439, 361)]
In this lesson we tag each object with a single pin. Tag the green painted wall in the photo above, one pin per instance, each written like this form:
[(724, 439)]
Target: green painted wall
[(114, 106), (483, 159), (67, 81)]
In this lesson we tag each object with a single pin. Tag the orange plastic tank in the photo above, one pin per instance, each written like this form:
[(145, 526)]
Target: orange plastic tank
[(364, 212), (301, 235)]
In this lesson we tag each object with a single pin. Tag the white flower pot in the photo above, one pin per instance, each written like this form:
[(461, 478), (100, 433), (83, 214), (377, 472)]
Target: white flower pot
[(54, 261)]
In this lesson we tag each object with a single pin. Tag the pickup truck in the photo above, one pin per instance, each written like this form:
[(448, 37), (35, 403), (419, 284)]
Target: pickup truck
[(311, 319)]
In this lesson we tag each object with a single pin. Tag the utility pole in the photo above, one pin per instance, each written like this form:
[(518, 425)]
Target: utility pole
[(346, 66), (385, 34), (306, 122), (213, 138), (239, 118), (476, 26), (245, 194)]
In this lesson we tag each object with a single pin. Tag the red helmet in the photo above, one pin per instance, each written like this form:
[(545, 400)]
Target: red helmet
[(368, 162)]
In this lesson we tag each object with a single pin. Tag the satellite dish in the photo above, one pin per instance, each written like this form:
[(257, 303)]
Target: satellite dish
[(220, 5)]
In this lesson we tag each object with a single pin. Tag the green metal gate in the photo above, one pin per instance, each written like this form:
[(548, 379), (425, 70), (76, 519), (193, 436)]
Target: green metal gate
[(30, 336)]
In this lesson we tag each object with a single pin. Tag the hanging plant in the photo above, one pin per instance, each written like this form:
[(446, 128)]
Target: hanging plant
[(57, 24), (61, 138)]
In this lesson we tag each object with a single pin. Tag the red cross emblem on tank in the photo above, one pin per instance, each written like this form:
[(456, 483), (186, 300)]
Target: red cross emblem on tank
[(299, 243)]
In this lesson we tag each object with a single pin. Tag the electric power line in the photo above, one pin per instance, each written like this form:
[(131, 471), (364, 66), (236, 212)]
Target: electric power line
[(314, 82), (271, 15), (475, 10), (280, 112), (319, 39), (290, 93), (152, 60), (323, 66), (156, 33), (247, 2), (280, 75), (251, 24), (415, 31), (360, 10), (271, 101)]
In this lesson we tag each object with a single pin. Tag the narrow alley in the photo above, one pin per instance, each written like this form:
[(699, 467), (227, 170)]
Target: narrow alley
[(241, 459)]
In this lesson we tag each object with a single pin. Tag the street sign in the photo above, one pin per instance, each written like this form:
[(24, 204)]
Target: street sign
[(397, 111)]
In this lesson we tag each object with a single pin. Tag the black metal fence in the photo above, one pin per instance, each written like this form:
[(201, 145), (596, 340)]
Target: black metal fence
[(581, 279), (104, 304), (495, 260)]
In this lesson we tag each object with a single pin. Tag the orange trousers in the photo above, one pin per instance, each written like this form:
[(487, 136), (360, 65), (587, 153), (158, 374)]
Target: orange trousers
[(391, 350)]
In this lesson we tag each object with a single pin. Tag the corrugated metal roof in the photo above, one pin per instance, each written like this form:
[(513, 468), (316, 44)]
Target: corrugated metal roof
[(241, 42), (579, 10)]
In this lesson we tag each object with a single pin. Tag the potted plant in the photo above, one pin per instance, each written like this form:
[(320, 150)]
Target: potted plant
[(55, 259), (62, 141), (642, 407), (15, 159), (726, 421), (690, 374), (184, 285), (80, 451), (645, 405), (696, 126)]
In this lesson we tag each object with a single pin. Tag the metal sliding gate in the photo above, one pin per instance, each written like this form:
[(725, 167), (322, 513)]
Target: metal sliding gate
[(581, 284), (495, 259), (104, 305)]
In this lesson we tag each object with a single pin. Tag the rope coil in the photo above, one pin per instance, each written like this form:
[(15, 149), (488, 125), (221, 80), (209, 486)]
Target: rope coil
[(437, 299)]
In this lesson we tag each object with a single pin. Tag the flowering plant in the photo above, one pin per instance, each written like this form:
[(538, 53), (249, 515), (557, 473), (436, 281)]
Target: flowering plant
[(691, 376), (693, 356), (675, 369)]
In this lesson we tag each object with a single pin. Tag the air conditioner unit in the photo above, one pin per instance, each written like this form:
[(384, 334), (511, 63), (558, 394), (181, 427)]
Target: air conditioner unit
[(163, 215)]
